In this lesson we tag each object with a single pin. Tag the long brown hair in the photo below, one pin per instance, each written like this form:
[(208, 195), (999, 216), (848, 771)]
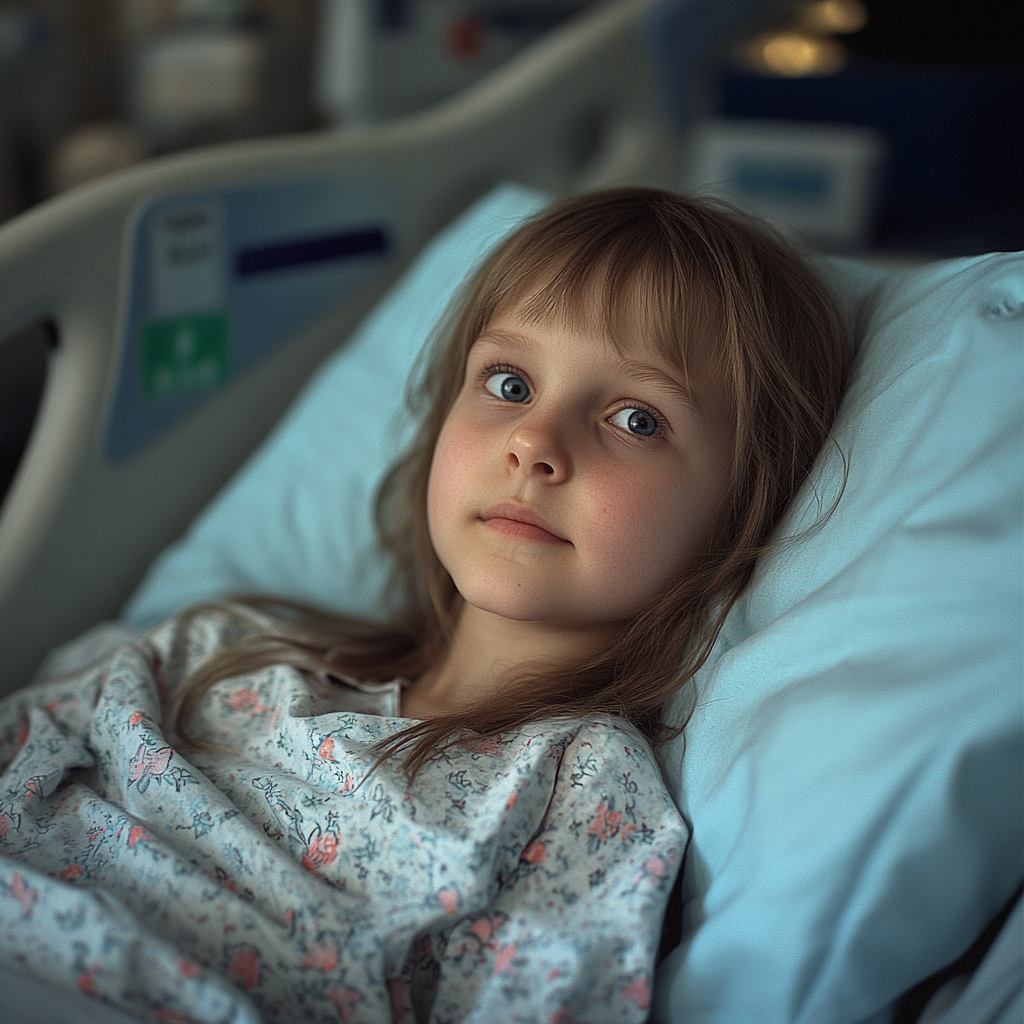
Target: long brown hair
[(702, 282)]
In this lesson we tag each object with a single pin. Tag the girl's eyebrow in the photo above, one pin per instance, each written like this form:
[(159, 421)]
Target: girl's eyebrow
[(500, 335), (649, 374)]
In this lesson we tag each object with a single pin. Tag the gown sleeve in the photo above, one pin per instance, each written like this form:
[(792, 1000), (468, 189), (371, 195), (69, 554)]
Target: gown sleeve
[(573, 932)]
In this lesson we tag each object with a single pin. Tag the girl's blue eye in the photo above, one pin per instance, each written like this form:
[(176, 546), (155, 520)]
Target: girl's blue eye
[(509, 386), (636, 421)]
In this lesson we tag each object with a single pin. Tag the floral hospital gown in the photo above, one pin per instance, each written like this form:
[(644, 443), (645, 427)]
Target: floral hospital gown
[(275, 878)]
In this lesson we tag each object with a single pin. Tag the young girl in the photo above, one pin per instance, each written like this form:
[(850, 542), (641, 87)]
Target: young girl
[(456, 816)]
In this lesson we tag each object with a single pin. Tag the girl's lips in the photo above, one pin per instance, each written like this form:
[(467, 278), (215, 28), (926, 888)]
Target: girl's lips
[(519, 522)]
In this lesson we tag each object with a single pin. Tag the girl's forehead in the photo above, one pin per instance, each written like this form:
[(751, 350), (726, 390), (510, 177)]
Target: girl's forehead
[(622, 323)]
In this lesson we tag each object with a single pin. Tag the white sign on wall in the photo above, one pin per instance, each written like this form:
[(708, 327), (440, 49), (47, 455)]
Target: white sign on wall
[(818, 182)]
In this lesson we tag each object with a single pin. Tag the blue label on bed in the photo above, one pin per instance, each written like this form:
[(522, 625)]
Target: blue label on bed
[(218, 279)]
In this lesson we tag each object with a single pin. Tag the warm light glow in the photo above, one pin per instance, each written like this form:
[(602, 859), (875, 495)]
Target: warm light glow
[(833, 17), (794, 54)]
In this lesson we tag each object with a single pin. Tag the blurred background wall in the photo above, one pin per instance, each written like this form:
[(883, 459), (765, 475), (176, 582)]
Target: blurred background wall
[(931, 92)]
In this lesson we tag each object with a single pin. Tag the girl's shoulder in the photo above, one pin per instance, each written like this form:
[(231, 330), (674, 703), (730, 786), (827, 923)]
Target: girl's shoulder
[(184, 641), (600, 724), (606, 771), (596, 736), (211, 626)]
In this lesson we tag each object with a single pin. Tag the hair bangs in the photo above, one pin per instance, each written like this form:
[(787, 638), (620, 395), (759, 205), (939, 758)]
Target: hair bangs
[(624, 287)]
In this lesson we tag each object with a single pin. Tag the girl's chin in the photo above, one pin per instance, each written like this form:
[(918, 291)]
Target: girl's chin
[(541, 612)]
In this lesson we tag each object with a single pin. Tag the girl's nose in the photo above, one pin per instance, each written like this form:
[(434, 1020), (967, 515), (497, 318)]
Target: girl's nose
[(537, 448)]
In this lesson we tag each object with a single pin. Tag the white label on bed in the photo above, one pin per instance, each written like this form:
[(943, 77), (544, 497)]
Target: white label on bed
[(187, 253)]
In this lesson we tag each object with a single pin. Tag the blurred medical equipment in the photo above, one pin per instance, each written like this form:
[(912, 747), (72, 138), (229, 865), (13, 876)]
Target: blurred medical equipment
[(202, 71), (194, 72), (379, 59)]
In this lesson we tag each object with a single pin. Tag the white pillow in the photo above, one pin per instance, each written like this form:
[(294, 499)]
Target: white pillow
[(853, 772), (296, 521)]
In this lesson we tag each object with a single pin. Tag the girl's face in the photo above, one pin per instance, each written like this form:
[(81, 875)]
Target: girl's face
[(574, 481)]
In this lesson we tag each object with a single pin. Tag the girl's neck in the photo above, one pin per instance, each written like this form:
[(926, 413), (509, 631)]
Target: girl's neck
[(487, 649)]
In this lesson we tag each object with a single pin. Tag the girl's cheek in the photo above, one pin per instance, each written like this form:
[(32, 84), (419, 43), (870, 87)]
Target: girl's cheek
[(443, 485), (435, 500)]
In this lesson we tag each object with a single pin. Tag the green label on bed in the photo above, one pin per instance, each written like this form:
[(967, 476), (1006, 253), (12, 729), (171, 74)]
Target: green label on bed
[(184, 355)]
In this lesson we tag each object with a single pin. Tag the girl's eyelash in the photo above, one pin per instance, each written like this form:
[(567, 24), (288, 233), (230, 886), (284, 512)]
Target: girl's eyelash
[(490, 371), (653, 413)]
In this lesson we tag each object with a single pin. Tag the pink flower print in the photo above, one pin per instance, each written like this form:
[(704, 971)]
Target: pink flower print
[(19, 739), (607, 824), (148, 763), (246, 700), (449, 899), (639, 992), (503, 959), (511, 801), (87, 979), (245, 966), (135, 718), (345, 1001), (5, 826), (321, 958), (34, 790), (483, 929), (326, 749), (534, 853), (322, 851), (24, 894), (657, 867), (72, 873), (188, 969), (137, 834), (52, 706), (347, 784)]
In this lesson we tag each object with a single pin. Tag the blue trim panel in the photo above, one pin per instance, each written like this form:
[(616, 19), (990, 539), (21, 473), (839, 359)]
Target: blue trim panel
[(308, 251)]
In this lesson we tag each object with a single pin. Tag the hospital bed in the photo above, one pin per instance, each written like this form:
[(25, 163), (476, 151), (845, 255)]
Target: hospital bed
[(195, 295)]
